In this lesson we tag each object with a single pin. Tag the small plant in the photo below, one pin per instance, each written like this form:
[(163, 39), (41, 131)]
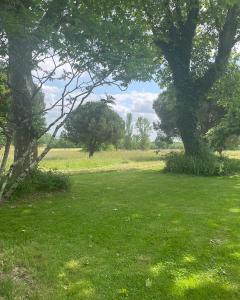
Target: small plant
[(207, 165), (43, 181)]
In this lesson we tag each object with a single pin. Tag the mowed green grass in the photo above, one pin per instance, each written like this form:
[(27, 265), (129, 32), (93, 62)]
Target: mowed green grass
[(123, 233)]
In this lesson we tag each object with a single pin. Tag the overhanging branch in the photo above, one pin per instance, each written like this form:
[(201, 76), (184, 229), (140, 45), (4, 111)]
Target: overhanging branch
[(227, 39)]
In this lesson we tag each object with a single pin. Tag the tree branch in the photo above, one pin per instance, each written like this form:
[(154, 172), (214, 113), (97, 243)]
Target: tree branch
[(225, 44)]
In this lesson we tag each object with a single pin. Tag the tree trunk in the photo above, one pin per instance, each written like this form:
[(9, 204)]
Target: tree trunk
[(90, 153), (187, 111), (5, 155), (34, 153), (20, 66)]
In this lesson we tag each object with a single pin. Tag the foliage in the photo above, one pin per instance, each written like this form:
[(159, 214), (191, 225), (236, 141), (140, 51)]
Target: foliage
[(62, 142), (58, 142), (144, 128), (209, 165), (4, 104), (194, 40), (208, 115), (128, 134), (64, 32), (165, 108), (93, 125), (163, 142), (43, 181), (226, 93), (218, 116), (38, 121), (45, 139)]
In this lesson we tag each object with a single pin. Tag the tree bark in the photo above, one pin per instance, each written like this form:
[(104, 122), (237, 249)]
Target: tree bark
[(188, 101), (187, 110), (34, 153), (90, 153), (5, 155), (20, 66)]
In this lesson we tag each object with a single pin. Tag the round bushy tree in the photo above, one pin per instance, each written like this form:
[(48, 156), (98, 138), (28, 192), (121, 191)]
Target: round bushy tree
[(93, 125)]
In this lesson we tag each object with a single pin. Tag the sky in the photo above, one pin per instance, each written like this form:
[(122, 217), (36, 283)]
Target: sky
[(137, 99)]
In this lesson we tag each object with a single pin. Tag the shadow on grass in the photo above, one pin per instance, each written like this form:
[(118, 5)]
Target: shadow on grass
[(129, 235)]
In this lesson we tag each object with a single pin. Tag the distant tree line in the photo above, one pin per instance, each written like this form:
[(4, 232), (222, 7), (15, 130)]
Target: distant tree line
[(95, 126)]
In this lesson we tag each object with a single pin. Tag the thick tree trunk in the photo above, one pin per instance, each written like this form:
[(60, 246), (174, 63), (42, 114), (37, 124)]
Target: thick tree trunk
[(187, 110), (90, 153), (20, 66), (187, 125), (5, 155)]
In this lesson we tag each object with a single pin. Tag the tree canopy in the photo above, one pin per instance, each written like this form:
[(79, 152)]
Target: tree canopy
[(192, 42), (93, 125), (143, 128), (218, 117)]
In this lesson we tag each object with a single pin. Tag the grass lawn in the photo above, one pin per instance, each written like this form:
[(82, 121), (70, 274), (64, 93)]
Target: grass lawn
[(124, 231)]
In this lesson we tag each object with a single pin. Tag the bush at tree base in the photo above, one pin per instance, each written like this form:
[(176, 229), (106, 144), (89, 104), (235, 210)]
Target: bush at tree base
[(43, 181), (208, 165)]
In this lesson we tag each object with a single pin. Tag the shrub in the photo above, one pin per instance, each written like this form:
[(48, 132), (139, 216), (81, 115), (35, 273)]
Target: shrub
[(43, 181), (208, 165)]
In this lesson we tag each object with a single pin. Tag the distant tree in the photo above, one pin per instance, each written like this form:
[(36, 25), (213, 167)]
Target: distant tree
[(135, 142), (144, 128), (93, 125), (63, 142), (162, 141), (165, 108), (45, 139), (128, 136)]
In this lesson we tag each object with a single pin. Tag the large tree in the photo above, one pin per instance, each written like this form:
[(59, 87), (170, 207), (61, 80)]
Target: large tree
[(40, 37), (218, 117), (25, 28), (93, 125), (194, 39), (73, 30)]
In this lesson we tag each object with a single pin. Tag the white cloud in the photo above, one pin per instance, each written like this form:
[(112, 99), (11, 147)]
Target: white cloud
[(138, 103), (51, 93)]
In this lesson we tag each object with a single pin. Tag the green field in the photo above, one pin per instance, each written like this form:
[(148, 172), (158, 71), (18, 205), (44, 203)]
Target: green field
[(125, 230)]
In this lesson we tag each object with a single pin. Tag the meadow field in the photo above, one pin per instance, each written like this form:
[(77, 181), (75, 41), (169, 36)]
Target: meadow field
[(125, 230)]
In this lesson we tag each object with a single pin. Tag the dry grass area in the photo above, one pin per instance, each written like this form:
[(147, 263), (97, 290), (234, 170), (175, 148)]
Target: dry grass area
[(74, 160)]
